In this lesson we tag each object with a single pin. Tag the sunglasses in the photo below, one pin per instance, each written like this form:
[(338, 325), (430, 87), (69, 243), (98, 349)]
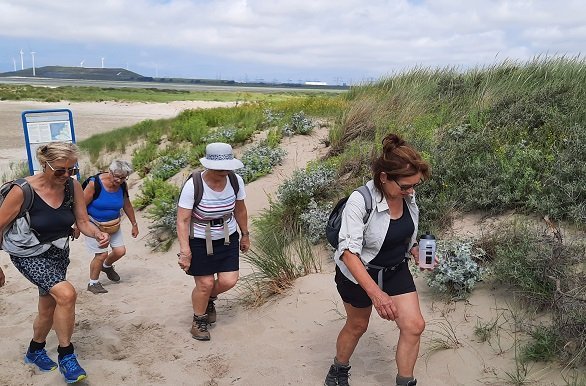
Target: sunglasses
[(405, 188), (119, 178), (61, 171)]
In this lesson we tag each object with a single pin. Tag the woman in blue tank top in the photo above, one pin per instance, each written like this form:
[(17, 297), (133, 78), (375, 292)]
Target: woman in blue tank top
[(106, 195)]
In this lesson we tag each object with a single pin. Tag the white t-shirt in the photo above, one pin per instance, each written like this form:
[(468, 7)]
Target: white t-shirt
[(213, 205)]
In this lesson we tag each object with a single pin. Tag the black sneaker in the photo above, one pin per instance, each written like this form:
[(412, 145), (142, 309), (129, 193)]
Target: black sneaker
[(337, 376)]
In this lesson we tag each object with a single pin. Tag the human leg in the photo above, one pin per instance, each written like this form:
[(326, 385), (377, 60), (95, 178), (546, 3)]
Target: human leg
[(199, 299), (355, 326), (108, 267), (36, 353), (64, 314), (411, 325)]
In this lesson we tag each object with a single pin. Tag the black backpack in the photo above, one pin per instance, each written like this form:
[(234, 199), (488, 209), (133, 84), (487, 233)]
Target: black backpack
[(335, 220), (29, 195), (198, 191), (98, 186)]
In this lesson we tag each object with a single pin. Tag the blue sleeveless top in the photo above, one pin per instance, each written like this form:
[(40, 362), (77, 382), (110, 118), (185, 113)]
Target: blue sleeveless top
[(108, 204)]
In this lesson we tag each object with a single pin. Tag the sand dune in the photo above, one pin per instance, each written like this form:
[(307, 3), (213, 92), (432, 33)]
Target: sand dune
[(138, 333)]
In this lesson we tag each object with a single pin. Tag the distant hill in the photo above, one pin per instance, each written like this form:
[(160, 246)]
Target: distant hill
[(60, 72)]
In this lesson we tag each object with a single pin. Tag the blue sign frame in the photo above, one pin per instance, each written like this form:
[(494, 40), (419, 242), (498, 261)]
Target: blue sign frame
[(45, 126)]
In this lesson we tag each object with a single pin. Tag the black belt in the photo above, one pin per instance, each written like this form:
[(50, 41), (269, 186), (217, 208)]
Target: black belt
[(382, 270)]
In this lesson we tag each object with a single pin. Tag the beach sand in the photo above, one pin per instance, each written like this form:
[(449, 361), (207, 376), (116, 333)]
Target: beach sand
[(138, 333)]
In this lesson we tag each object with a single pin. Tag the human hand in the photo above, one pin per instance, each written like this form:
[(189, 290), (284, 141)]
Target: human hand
[(184, 260), (384, 305), (75, 233), (245, 243), (102, 238), (134, 232), (2, 278)]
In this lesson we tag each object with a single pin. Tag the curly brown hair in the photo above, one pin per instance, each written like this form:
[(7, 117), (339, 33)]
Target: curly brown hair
[(398, 159)]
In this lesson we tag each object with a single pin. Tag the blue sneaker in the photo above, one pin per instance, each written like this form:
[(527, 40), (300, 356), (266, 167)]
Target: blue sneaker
[(41, 359), (71, 369)]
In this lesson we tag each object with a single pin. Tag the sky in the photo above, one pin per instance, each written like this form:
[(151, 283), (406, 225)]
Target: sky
[(332, 41)]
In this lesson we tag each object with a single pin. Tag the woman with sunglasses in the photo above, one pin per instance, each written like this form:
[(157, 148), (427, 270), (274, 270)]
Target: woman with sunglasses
[(372, 259), (57, 205), (104, 208)]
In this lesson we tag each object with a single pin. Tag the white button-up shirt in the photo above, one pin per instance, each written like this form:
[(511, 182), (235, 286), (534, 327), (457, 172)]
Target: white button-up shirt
[(366, 240)]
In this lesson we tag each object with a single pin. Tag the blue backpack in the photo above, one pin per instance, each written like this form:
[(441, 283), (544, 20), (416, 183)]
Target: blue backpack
[(335, 219)]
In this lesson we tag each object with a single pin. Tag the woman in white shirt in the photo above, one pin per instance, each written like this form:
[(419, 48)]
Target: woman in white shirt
[(208, 240), (372, 259)]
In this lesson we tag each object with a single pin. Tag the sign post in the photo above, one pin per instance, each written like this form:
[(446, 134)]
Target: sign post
[(42, 127)]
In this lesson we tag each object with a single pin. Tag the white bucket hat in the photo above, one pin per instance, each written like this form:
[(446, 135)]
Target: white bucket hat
[(219, 156)]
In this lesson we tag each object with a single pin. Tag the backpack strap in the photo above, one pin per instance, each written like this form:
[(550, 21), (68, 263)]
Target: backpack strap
[(365, 192), (234, 182), (29, 195), (197, 195), (97, 186)]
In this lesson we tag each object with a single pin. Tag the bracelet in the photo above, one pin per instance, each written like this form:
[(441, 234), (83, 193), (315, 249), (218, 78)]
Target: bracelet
[(134, 224), (179, 255), (245, 234)]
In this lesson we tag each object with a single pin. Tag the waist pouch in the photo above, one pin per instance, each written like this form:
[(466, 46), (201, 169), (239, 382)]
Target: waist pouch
[(109, 227)]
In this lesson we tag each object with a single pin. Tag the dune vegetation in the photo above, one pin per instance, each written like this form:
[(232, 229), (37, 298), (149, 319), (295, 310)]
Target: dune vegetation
[(505, 139)]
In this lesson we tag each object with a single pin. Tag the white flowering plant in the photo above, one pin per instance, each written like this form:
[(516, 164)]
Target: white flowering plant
[(458, 269), (259, 160), (314, 219)]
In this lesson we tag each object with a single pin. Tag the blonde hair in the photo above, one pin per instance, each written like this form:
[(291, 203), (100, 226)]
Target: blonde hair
[(54, 151)]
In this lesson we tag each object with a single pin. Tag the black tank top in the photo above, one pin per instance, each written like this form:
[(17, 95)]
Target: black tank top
[(50, 224), (396, 241)]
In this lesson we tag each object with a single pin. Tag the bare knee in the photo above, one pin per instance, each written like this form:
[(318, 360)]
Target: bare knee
[(414, 327), (227, 282), (356, 327), (204, 284), (118, 252), (64, 294)]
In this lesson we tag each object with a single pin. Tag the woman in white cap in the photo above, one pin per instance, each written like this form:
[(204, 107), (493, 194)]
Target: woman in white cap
[(210, 206)]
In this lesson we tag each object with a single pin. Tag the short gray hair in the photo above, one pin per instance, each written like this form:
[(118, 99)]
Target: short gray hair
[(119, 166)]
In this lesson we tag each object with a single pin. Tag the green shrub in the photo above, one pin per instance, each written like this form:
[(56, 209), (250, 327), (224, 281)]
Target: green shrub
[(143, 156), (259, 160), (458, 269)]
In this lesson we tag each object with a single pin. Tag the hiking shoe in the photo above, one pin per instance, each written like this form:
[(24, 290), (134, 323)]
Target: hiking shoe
[(211, 310), (199, 328), (337, 376), (41, 359), (71, 369), (97, 288), (410, 383), (112, 275)]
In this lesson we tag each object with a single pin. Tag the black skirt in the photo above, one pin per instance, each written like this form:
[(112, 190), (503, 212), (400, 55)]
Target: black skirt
[(224, 259)]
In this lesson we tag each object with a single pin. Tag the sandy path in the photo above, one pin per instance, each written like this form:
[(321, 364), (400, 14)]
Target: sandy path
[(138, 333)]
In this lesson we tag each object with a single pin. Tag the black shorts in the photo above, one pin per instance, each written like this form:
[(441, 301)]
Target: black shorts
[(44, 270), (397, 282), (224, 259)]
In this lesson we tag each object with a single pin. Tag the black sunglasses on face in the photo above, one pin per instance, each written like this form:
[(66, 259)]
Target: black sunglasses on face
[(405, 188), (61, 172)]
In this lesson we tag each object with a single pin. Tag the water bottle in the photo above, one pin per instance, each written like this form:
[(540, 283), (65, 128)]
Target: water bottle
[(426, 250)]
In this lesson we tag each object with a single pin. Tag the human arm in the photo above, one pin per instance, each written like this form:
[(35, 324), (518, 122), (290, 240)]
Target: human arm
[(129, 210), (382, 302), (2, 278), (82, 219), (241, 215), (183, 220), (88, 196)]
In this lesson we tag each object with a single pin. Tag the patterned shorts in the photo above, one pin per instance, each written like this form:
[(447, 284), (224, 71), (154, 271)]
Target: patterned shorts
[(44, 270)]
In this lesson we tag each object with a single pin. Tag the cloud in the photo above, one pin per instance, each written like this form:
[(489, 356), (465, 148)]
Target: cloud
[(370, 37)]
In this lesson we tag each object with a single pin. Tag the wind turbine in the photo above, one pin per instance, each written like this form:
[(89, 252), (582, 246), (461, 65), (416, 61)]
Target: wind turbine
[(33, 56), (102, 62), (81, 64), (14, 62), (21, 59)]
